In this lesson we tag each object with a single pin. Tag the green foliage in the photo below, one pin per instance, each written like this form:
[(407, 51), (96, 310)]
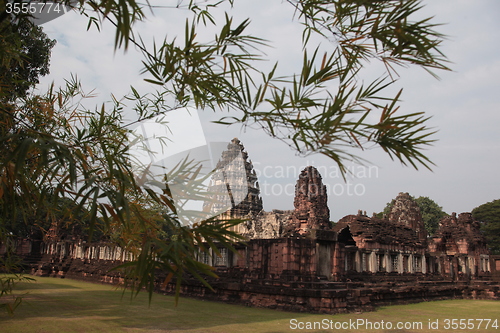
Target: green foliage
[(431, 212), (8, 301), (387, 209), (489, 216), (25, 56), (54, 150), (311, 118), (300, 109), (10, 263), (79, 168), (7, 284)]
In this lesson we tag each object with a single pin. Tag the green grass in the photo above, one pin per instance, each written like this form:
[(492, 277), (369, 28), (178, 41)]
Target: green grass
[(60, 305)]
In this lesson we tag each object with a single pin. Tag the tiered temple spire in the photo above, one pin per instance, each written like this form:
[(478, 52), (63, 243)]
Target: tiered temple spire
[(235, 184)]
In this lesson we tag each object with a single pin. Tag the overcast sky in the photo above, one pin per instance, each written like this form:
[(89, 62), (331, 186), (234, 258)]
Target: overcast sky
[(464, 105)]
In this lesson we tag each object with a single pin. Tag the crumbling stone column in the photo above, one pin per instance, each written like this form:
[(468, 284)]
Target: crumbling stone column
[(357, 262), (373, 262), (311, 209), (400, 263)]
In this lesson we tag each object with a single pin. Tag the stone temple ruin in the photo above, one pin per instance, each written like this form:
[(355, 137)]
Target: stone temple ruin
[(299, 260)]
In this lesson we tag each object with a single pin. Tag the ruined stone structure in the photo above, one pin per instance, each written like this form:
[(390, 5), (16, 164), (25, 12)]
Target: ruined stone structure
[(375, 245), (459, 248), (300, 261), (242, 191), (311, 208), (358, 264), (265, 225), (235, 185), (406, 212)]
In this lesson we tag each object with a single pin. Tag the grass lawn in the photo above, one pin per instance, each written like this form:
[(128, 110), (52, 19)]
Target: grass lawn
[(60, 305)]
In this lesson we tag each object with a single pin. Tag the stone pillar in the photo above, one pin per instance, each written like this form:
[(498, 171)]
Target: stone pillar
[(447, 267), (467, 267), (357, 262), (461, 264), (424, 264), (400, 263), (372, 266), (310, 202), (338, 265), (411, 268), (387, 261)]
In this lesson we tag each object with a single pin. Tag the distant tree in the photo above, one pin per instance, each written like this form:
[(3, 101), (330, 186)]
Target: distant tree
[(489, 216), (387, 210), (430, 210), (432, 213)]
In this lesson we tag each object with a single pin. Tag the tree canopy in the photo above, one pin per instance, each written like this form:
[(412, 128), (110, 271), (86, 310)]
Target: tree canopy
[(60, 149), (431, 212), (25, 54), (489, 216)]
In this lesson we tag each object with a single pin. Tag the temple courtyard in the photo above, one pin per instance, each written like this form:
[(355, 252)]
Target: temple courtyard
[(65, 305)]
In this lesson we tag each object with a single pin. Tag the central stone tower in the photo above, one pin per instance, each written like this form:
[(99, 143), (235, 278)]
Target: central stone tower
[(311, 208), (405, 211), (235, 184)]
